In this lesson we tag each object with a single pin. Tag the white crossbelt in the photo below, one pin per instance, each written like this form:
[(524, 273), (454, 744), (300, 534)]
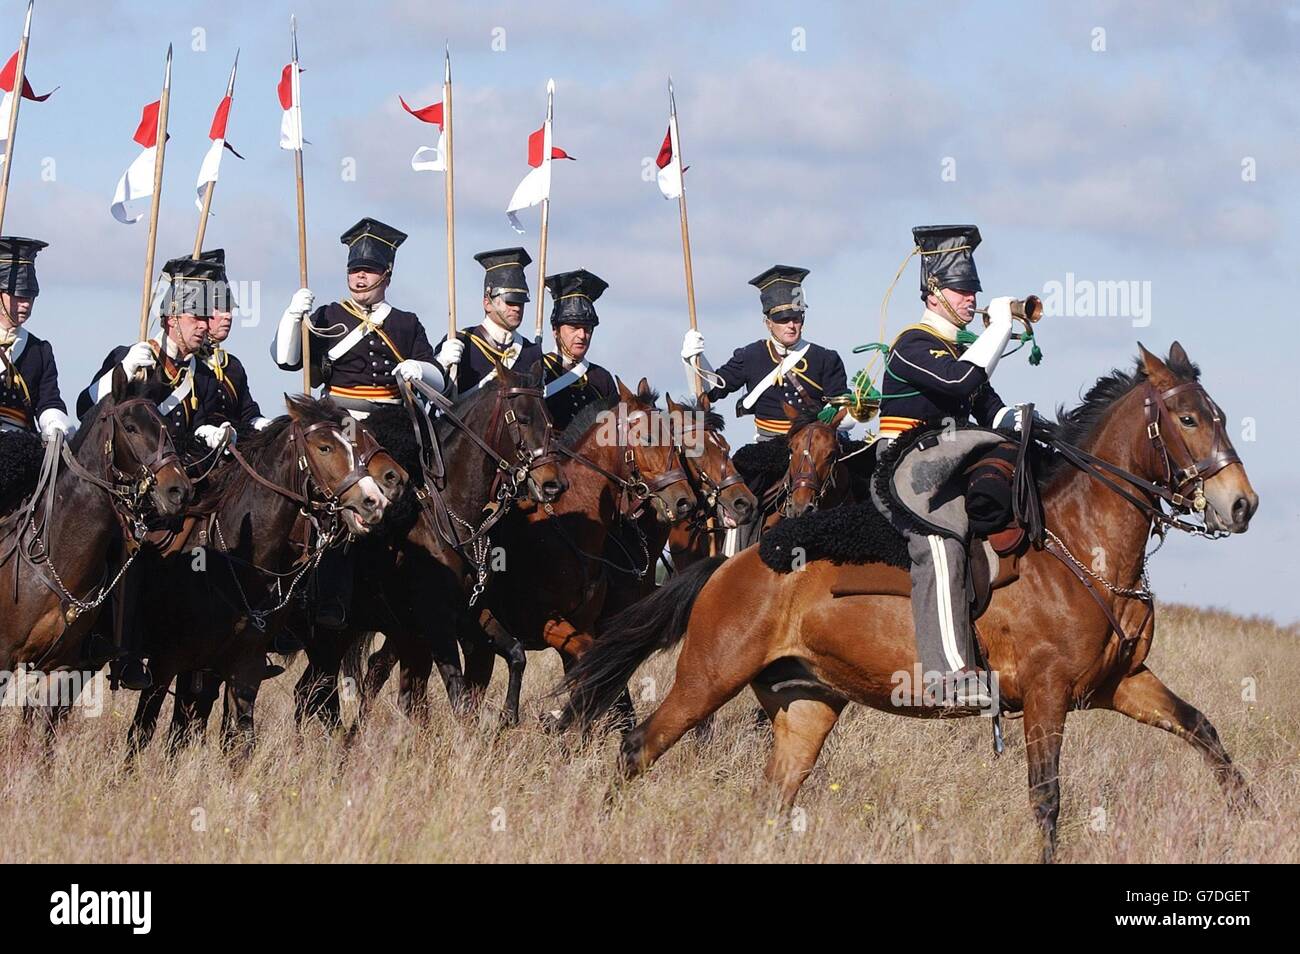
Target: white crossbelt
[(517, 347), (172, 401), (790, 360), (348, 341), (567, 378)]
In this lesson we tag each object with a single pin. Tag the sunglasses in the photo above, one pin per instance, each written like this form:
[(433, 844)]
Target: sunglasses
[(794, 317)]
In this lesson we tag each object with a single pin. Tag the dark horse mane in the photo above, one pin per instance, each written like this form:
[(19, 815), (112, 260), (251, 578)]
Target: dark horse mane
[(588, 417), (263, 450), (713, 421)]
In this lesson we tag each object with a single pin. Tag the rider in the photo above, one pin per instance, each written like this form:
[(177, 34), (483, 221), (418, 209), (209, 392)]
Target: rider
[(188, 410), (571, 381), (932, 376), (505, 292), (361, 346), (236, 401)]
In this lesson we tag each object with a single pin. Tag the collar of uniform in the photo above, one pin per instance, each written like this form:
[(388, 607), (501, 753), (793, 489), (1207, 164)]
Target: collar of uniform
[(376, 314), (17, 345), (940, 325), (496, 335), (9, 336), (164, 341), (784, 350), (218, 359)]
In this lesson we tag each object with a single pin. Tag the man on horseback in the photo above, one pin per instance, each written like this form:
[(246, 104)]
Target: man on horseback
[(361, 346), (933, 377), (571, 382), (234, 398), (505, 292), (191, 406)]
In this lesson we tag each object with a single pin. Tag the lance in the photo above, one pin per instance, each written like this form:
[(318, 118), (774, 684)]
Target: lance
[(451, 208), (16, 100), (302, 205), (161, 148), (546, 206), (211, 187), (686, 229)]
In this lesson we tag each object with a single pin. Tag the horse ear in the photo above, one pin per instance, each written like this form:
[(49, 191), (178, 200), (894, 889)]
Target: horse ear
[(623, 393), (1177, 356), (120, 383), (294, 403), (670, 403), (643, 386), (1156, 370), (704, 402)]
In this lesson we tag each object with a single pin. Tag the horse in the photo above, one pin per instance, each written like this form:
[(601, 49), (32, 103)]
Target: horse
[(725, 501), (208, 604), (120, 474), (1060, 637), (618, 460), (419, 578)]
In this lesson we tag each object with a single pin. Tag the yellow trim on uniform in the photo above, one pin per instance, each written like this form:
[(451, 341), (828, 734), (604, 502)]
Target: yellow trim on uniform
[(772, 426), (893, 426), (952, 348), (560, 370), (487, 349), (16, 416), (366, 392)]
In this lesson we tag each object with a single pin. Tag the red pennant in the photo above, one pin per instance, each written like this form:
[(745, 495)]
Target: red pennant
[(146, 134), (666, 150), (285, 87), (429, 114), (10, 73), (218, 130), (535, 142)]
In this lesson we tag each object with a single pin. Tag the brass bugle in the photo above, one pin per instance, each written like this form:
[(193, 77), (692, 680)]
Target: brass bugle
[(1030, 310)]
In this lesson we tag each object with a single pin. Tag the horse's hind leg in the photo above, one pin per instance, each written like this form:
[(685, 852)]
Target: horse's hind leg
[(195, 693), (238, 734), (801, 721), (1142, 696), (413, 681)]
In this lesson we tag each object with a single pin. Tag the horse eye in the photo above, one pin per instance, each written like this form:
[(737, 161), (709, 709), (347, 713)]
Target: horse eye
[(132, 429), (324, 448), (1187, 420)]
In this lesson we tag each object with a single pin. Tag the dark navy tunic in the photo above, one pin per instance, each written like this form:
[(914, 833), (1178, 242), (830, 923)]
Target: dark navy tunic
[(35, 386), (565, 404), (235, 402), (199, 407), (925, 380), (365, 371), (818, 375), (476, 362)]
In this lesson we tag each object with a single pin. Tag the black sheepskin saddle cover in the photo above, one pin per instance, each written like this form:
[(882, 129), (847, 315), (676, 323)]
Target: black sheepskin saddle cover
[(391, 426), (762, 463), (21, 453)]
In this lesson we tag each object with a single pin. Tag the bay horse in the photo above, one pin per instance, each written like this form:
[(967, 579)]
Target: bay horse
[(114, 479), (1057, 639), (419, 577), (208, 605), (618, 460)]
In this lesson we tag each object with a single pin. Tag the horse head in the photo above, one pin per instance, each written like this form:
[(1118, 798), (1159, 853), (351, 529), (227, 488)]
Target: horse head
[(707, 458), (814, 459), (519, 431), (1188, 438), (319, 431), (651, 455)]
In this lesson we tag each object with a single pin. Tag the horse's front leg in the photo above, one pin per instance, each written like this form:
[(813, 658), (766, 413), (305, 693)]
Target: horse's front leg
[(1045, 709), (1142, 696), (238, 734)]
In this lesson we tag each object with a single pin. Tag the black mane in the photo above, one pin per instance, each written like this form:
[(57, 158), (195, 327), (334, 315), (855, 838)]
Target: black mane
[(586, 419), (713, 421)]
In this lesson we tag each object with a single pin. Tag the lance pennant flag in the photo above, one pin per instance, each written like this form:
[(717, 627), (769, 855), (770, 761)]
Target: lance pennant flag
[(136, 184), (429, 158), (670, 165), (7, 78), (289, 91), (535, 186), (212, 160)]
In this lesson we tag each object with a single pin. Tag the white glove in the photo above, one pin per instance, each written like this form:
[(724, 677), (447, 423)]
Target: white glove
[(214, 435), (692, 345), (301, 302), (260, 423), (1017, 417), (53, 421), (139, 356), (988, 348), (449, 354)]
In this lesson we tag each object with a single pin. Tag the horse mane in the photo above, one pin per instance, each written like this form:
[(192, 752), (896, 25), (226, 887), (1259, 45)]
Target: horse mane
[(804, 418), (713, 421), (1078, 425), (589, 416)]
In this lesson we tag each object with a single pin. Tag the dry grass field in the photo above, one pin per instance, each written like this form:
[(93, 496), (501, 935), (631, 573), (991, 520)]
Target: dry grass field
[(886, 789)]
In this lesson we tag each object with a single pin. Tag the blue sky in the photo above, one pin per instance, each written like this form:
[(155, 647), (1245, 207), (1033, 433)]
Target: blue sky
[(1115, 164)]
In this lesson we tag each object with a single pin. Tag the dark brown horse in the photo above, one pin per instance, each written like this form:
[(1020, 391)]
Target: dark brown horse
[(119, 474), (210, 604), (618, 460), (415, 579), (1056, 639)]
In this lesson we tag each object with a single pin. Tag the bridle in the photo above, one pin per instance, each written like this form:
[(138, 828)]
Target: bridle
[(802, 472), (316, 493), (706, 487), (636, 489)]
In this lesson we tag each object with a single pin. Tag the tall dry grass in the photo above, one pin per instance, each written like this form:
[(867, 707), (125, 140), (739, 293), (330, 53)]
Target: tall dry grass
[(886, 789)]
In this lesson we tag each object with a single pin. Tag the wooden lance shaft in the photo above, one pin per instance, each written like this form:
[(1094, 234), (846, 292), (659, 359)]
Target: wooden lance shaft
[(451, 212), (161, 147), (211, 186), (19, 80)]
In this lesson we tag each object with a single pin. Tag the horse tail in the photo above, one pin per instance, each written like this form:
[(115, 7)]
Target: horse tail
[(629, 638)]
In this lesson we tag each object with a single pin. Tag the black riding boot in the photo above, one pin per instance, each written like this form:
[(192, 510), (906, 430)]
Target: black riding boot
[(334, 588), (129, 670)]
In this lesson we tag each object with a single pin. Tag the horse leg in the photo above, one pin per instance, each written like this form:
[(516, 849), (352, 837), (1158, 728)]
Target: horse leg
[(378, 668), (512, 651), (480, 659), (1142, 696), (238, 736), (413, 680), (801, 721), (189, 715), (145, 720), (1044, 732), (316, 695)]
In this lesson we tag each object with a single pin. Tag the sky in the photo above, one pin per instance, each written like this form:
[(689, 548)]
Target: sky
[(1100, 146)]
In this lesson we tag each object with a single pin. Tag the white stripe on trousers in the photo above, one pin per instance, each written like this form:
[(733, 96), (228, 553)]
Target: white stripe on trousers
[(943, 596)]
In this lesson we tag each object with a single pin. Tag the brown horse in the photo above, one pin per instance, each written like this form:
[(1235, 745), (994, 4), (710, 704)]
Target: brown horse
[(210, 604), (618, 460), (57, 564), (1056, 639), (817, 477)]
